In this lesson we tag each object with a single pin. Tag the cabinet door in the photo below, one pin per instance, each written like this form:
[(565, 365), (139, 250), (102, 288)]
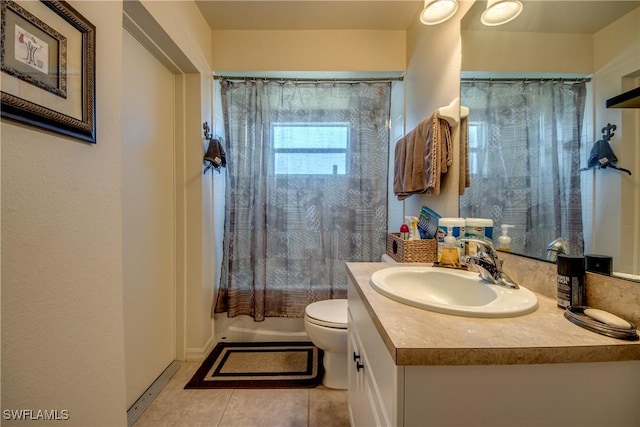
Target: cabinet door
[(354, 393), (362, 405), (373, 409), (384, 381)]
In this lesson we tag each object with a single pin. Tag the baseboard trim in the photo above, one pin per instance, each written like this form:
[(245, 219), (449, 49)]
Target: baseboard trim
[(198, 354), (152, 392)]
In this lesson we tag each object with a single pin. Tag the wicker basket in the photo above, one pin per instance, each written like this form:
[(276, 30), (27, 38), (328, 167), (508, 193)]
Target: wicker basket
[(425, 250)]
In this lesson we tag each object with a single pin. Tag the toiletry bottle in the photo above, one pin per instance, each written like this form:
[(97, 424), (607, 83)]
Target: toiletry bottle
[(450, 256), (477, 228), (457, 225), (413, 226), (571, 289), (404, 232), (407, 221), (504, 241)]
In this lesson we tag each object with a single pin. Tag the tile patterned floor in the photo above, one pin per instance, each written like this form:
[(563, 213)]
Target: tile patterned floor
[(177, 407)]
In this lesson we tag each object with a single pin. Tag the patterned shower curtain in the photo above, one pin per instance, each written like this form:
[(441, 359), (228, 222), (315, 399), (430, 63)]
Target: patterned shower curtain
[(306, 191), (524, 146)]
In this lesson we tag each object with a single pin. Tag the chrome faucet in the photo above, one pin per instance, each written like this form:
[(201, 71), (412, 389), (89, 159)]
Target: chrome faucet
[(488, 264), (558, 246)]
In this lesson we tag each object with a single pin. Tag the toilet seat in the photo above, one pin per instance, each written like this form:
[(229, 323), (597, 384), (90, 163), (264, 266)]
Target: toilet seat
[(330, 313)]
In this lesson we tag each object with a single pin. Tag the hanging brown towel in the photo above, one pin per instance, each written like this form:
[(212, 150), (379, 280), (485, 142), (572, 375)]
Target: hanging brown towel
[(421, 157), (215, 156)]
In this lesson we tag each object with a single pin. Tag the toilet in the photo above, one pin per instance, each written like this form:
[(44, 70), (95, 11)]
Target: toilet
[(326, 324)]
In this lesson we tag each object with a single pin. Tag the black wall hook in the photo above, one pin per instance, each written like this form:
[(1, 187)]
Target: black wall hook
[(207, 130), (607, 131)]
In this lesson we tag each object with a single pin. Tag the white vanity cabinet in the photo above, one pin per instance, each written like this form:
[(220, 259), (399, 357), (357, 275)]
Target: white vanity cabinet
[(453, 392), (375, 388)]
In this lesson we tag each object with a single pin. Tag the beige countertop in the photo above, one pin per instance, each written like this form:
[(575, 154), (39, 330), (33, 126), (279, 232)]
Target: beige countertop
[(419, 337)]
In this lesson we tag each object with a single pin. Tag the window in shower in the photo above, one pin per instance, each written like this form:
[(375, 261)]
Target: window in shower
[(310, 148)]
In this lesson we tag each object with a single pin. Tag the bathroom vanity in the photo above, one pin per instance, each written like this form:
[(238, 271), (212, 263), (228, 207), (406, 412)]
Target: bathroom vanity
[(414, 367)]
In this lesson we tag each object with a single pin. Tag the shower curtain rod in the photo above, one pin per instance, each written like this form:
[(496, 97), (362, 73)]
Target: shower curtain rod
[(526, 79), (312, 80)]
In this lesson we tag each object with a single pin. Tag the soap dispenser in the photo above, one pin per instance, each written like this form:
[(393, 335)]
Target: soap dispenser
[(450, 256), (504, 241)]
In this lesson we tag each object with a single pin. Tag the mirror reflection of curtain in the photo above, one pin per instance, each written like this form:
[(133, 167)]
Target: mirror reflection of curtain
[(524, 149), (306, 191)]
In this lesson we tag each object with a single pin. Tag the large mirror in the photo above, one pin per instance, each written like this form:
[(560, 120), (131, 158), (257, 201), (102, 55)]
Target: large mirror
[(536, 90)]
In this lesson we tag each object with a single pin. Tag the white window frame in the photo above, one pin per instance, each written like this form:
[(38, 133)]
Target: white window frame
[(302, 150)]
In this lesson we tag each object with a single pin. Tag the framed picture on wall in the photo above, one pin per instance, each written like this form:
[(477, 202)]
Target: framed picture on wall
[(48, 67)]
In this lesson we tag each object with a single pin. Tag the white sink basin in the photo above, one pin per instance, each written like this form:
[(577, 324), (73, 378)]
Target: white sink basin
[(449, 291)]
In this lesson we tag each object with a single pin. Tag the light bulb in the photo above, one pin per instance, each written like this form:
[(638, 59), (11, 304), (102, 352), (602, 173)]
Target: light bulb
[(500, 12), (438, 11)]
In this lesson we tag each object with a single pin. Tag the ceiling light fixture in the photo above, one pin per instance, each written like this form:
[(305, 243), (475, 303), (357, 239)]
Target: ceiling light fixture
[(438, 11), (500, 12)]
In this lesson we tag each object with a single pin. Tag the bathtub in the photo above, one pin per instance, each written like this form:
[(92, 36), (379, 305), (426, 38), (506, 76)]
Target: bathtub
[(245, 329)]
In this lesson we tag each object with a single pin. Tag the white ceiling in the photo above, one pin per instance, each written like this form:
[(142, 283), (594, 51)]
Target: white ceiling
[(583, 17)]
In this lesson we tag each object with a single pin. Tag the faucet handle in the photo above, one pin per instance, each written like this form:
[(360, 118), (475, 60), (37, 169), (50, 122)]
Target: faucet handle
[(484, 267), (484, 248)]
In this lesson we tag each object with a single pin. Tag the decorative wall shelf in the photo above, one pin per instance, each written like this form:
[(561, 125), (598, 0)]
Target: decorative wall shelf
[(630, 99)]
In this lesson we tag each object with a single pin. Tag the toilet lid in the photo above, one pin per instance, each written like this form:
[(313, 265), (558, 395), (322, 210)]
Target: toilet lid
[(331, 312)]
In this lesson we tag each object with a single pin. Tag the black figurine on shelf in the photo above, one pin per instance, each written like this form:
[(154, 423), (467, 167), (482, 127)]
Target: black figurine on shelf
[(602, 155)]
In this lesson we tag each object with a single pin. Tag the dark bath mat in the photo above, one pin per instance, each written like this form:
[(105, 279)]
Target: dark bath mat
[(260, 365)]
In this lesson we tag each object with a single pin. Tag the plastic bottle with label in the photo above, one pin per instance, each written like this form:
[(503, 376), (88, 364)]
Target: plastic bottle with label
[(450, 256), (457, 231), (478, 228)]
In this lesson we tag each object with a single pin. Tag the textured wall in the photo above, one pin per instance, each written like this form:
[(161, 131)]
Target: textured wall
[(62, 327)]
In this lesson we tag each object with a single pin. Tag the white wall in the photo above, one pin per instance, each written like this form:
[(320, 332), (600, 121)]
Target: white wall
[(308, 50), (62, 327), (432, 80), (529, 52), (62, 276), (219, 189), (395, 214), (199, 225)]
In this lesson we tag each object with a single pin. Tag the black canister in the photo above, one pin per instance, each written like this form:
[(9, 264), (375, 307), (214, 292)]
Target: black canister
[(571, 290)]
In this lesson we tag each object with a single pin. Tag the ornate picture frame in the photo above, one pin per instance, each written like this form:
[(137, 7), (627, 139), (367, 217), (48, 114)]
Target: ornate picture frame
[(48, 67)]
